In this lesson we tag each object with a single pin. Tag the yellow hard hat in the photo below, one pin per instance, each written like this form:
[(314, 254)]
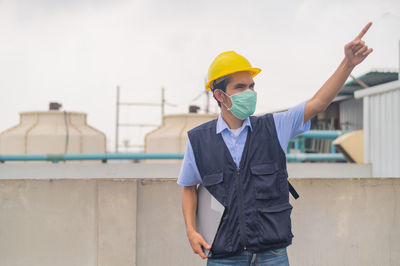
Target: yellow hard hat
[(227, 63)]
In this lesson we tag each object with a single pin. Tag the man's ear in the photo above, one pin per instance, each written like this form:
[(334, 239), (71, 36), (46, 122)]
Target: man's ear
[(219, 95)]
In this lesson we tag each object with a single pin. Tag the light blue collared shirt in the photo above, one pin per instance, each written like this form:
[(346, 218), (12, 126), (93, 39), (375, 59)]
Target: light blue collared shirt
[(234, 143), (288, 125)]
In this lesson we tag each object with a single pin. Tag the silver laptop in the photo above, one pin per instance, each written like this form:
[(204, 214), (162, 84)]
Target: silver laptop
[(209, 214)]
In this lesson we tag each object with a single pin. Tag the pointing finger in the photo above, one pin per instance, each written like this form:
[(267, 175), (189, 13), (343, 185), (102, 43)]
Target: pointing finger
[(364, 30)]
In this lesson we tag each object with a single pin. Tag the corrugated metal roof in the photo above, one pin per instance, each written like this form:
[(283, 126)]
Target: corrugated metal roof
[(371, 79)]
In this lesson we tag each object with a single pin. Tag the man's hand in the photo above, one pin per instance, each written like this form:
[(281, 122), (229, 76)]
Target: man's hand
[(197, 241), (356, 51)]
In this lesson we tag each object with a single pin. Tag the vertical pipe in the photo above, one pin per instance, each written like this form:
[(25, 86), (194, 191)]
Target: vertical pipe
[(302, 145), (207, 101), (117, 121), (296, 144), (333, 149), (162, 102), (288, 147)]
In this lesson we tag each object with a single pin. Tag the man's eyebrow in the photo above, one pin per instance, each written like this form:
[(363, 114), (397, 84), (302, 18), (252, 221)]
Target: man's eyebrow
[(239, 85)]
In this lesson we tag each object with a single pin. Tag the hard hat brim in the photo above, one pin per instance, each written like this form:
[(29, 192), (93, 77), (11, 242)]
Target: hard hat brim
[(253, 72)]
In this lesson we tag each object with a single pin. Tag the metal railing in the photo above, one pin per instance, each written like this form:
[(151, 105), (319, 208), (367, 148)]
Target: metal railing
[(104, 157), (299, 141)]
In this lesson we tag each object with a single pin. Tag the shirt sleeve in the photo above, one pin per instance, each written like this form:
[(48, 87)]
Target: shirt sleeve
[(290, 123), (189, 175)]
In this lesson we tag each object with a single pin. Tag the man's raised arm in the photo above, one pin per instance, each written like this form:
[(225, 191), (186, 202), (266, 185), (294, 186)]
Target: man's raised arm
[(355, 52)]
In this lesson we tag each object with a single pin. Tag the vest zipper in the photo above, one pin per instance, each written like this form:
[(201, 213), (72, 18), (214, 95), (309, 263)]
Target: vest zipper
[(241, 209)]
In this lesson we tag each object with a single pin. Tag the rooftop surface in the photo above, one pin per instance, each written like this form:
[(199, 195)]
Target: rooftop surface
[(371, 79)]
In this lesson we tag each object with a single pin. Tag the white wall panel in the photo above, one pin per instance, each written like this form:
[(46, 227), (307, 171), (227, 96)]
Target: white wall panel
[(351, 114), (382, 128)]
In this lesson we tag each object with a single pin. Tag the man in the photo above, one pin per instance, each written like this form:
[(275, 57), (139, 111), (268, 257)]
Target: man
[(240, 159)]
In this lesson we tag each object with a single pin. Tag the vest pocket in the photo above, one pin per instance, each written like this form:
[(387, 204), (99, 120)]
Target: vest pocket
[(275, 224), (215, 185), (266, 180)]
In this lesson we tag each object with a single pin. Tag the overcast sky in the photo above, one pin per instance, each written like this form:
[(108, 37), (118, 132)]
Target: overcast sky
[(76, 52)]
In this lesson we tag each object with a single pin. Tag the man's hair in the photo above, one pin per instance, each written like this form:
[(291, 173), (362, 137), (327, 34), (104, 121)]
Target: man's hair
[(220, 84)]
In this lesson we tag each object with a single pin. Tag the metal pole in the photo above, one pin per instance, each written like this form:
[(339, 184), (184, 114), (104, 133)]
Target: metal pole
[(145, 156), (117, 121), (207, 102), (162, 102), (362, 84), (208, 97)]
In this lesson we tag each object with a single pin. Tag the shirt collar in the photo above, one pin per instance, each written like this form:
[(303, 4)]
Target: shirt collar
[(221, 124)]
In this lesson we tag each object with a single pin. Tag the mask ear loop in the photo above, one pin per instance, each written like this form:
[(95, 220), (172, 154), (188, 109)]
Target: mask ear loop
[(229, 109), (212, 89)]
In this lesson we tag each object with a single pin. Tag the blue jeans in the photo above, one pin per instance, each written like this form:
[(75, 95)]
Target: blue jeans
[(274, 257)]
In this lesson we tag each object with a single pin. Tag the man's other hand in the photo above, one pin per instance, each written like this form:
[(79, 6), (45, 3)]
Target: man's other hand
[(197, 241)]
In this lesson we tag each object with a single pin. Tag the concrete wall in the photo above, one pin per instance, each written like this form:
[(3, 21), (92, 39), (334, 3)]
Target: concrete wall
[(138, 221)]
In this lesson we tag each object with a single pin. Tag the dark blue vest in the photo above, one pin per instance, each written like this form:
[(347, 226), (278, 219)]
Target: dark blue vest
[(255, 195)]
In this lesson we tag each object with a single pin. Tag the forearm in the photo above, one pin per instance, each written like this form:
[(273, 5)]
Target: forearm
[(189, 207), (332, 86)]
